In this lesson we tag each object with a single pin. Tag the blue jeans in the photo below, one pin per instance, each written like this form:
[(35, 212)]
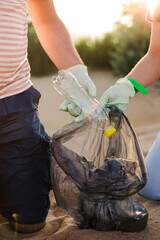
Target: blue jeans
[(24, 159), (152, 188)]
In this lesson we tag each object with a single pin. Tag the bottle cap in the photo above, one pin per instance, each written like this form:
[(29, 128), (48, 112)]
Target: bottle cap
[(110, 131)]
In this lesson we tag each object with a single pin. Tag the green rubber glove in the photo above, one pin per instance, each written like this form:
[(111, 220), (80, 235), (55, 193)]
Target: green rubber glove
[(118, 94), (81, 74)]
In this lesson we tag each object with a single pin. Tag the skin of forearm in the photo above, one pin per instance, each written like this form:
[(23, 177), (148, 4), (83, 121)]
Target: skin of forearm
[(147, 70), (53, 34), (57, 43)]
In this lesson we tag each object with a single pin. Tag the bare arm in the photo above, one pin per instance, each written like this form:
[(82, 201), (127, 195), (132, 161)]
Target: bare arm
[(53, 34), (147, 70)]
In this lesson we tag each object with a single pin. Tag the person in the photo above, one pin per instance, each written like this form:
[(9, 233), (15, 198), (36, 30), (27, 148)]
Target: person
[(24, 144), (146, 72)]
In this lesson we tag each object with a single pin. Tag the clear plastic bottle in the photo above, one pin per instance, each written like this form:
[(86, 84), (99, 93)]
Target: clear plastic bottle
[(68, 86)]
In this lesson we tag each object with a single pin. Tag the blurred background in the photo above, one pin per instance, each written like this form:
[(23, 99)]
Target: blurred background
[(111, 37), (107, 34)]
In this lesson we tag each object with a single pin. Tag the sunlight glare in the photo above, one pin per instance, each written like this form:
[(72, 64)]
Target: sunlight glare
[(151, 5), (89, 17)]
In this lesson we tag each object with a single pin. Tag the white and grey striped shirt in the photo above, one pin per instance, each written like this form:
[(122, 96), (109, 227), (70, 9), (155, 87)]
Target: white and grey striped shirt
[(14, 66)]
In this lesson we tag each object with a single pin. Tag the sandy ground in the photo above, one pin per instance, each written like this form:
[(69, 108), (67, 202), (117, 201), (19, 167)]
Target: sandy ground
[(144, 114)]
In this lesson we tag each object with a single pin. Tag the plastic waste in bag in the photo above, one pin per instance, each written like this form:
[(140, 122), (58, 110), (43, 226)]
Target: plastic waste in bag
[(94, 177), (125, 215)]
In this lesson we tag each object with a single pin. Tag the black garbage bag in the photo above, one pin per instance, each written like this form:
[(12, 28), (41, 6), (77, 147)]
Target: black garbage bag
[(94, 176)]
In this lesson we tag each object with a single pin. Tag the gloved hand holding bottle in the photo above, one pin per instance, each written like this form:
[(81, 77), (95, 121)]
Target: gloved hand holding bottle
[(120, 93), (68, 86), (81, 74)]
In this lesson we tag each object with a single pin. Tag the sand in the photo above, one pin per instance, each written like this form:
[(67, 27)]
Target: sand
[(144, 114)]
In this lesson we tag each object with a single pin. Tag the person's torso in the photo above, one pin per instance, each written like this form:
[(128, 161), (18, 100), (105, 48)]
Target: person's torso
[(14, 66)]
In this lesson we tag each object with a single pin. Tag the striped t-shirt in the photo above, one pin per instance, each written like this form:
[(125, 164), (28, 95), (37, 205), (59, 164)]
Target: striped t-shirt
[(14, 66)]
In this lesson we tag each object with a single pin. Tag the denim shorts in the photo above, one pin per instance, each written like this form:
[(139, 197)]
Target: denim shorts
[(24, 159)]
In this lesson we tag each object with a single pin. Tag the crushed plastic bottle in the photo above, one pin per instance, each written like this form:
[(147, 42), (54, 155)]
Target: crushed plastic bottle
[(68, 86)]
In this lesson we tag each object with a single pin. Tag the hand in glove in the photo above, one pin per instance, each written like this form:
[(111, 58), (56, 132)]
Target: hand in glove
[(118, 95), (81, 74)]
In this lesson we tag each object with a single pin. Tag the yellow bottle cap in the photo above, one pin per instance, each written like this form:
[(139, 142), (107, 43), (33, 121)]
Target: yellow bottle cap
[(110, 131)]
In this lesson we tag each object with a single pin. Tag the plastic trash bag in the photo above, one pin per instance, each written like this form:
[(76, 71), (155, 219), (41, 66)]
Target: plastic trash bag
[(94, 176)]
